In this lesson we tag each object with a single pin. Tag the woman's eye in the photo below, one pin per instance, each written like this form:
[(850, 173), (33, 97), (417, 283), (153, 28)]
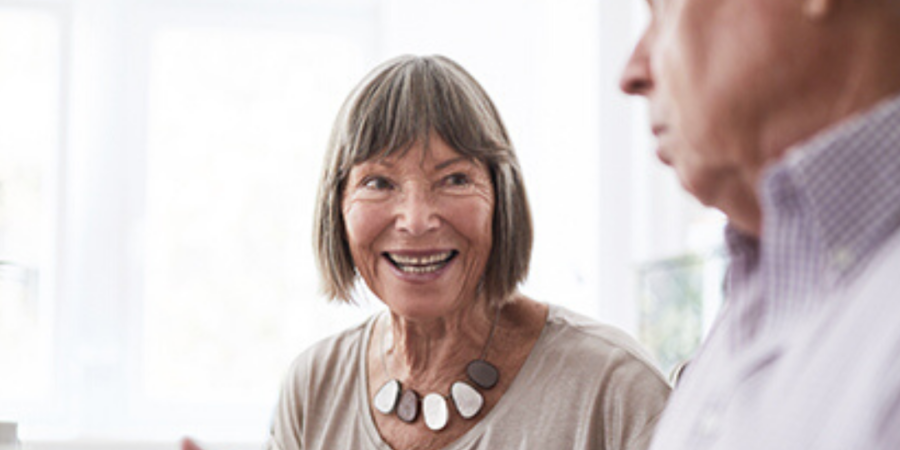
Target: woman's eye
[(457, 179), (377, 183)]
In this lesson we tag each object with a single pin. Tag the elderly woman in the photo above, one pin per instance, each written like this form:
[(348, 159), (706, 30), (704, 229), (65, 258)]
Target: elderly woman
[(422, 198)]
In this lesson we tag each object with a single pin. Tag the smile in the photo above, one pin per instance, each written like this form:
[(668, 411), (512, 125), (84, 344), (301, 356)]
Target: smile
[(421, 264)]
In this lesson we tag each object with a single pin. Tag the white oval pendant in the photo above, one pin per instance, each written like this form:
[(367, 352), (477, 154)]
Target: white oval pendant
[(435, 410), (386, 398), (468, 401)]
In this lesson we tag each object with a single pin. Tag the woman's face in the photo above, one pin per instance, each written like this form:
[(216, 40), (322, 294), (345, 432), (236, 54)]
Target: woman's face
[(419, 228)]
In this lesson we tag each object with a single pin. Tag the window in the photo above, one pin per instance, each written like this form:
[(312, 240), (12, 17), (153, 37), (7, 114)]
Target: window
[(29, 152), (164, 155), (237, 124), (679, 296)]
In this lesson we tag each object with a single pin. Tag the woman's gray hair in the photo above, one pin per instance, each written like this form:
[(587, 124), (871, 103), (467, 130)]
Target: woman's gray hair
[(396, 106)]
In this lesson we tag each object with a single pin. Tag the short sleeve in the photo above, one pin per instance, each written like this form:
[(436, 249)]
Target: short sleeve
[(286, 431), (633, 399)]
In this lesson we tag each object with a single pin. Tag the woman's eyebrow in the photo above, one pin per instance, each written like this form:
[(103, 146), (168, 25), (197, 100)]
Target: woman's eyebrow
[(450, 162)]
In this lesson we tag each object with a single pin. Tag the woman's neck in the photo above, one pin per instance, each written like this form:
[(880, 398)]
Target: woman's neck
[(427, 352)]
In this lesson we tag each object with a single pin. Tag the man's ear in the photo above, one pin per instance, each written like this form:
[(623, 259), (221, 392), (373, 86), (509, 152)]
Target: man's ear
[(816, 10)]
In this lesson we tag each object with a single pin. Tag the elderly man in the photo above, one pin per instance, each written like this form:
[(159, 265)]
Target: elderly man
[(785, 114)]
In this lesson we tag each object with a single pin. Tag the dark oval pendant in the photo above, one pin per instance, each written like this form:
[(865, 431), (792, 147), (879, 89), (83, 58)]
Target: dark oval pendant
[(483, 373), (408, 408)]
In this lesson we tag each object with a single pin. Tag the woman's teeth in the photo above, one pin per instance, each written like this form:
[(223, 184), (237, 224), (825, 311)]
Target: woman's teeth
[(421, 264)]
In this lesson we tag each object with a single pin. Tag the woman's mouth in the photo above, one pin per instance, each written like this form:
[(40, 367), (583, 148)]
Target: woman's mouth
[(421, 264)]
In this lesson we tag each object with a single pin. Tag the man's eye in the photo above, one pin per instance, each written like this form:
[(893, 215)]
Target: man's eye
[(377, 183), (457, 179)]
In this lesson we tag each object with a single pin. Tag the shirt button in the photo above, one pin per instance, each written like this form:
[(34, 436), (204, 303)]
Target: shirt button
[(841, 258)]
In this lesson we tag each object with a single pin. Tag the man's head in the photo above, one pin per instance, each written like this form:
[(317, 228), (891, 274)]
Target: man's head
[(732, 85)]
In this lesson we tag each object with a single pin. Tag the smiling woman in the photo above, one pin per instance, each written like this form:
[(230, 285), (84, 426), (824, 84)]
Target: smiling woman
[(433, 102), (423, 201), (419, 227)]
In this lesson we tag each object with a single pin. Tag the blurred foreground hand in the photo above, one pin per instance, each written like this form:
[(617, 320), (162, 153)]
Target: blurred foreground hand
[(188, 444)]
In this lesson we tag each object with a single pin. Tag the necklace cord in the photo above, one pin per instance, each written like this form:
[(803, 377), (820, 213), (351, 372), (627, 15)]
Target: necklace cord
[(487, 342), (490, 337), (381, 350)]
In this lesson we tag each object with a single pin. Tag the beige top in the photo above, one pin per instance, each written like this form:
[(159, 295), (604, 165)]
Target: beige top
[(584, 386)]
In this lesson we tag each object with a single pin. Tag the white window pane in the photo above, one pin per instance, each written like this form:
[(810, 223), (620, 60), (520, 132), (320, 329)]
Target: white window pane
[(29, 107), (680, 295), (238, 122)]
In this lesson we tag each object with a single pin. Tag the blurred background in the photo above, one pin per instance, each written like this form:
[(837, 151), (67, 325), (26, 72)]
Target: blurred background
[(158, 164)]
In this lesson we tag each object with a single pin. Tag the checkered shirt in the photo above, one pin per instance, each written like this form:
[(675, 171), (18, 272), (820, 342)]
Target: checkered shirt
[(806, 351)]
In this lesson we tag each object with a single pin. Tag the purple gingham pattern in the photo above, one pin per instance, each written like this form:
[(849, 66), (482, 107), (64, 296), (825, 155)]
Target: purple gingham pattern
[(806, 350)]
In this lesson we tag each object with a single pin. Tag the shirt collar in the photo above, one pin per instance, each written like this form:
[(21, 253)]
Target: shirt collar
[(846, 180)]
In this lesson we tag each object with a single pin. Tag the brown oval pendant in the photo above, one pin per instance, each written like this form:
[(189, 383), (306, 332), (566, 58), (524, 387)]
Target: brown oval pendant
[(408, 408), (483, 373)]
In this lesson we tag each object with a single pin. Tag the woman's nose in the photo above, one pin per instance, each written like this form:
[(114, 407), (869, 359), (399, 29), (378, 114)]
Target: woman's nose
[(417, 213)]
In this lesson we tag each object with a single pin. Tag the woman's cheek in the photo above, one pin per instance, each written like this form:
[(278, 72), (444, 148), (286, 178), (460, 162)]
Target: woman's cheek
[(364, 222)]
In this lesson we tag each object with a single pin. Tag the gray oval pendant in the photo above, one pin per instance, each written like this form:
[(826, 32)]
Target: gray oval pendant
[(435, 410), (468, 401), (386, 399), (408, 409), (483, 373)]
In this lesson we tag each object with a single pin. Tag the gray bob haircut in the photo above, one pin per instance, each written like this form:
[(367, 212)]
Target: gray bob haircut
[(396, 106)]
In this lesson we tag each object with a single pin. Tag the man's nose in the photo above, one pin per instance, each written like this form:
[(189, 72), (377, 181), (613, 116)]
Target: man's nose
[(637, 77), (417, 213)]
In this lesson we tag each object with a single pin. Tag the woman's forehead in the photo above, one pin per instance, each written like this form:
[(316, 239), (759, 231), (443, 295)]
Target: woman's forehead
[(429, 158)]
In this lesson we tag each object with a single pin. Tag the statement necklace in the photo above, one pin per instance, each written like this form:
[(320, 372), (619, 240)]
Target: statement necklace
[(391, 397)]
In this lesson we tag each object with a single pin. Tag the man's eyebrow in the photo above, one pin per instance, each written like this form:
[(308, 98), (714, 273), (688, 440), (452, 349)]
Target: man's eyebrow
[(451, 162)]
